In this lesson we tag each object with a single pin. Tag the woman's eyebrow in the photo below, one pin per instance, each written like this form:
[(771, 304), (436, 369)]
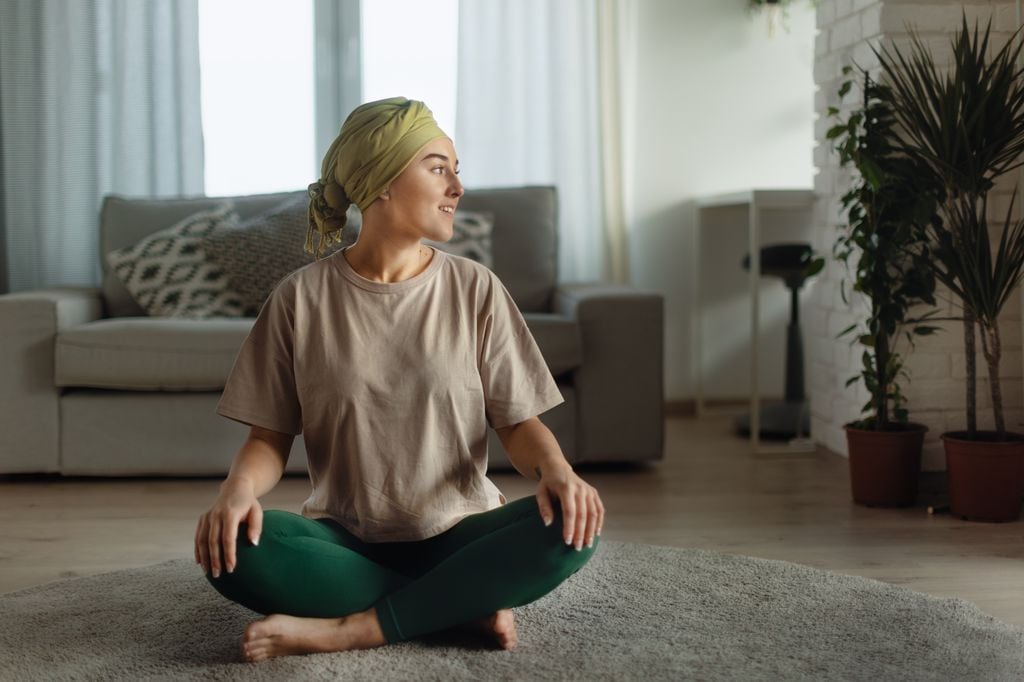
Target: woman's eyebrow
[(440, 156)]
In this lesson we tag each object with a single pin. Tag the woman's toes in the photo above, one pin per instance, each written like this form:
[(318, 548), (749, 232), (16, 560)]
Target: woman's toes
[(256, 630), (256, 648), (503, 625)]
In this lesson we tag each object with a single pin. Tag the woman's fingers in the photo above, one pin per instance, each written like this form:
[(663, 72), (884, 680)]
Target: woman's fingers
[(214, 545), (255, 523), (230, 533), (544, 505), (581, 519), (592, 515), (582, 511), (568, 518), (201, 543)]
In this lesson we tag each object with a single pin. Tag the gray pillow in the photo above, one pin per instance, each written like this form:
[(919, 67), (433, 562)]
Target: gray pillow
[(264, 249), (169, 275)]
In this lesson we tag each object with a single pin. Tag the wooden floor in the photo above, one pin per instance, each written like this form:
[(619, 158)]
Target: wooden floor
[(709, 492)]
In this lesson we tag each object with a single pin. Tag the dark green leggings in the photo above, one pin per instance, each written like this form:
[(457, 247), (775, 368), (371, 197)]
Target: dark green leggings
[(493, 560)]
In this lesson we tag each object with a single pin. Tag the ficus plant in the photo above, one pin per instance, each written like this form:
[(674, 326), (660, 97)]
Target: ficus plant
[(884, 244)]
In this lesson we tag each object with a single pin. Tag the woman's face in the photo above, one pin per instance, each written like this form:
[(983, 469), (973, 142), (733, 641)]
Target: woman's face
[(425, 194)]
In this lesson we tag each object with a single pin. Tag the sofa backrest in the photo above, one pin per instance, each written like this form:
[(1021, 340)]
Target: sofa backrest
[(524, 240)]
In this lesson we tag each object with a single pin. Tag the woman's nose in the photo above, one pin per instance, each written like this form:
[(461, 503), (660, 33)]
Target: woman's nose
[(457, 188)]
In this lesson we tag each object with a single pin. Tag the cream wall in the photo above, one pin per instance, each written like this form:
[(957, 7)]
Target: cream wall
[(720, 106)]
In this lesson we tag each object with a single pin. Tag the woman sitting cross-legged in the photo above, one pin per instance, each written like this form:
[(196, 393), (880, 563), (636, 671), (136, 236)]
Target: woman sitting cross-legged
[(392, 359)]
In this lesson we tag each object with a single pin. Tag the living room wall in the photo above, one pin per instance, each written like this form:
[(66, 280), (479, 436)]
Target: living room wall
[(720, 106)]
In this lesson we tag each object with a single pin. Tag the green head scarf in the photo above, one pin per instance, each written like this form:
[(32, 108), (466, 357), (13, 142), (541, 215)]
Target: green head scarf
[(377, 142)]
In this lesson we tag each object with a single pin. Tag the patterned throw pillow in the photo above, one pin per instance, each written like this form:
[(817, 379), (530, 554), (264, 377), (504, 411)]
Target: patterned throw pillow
[(264, 249), (168, 273), (471, 237)]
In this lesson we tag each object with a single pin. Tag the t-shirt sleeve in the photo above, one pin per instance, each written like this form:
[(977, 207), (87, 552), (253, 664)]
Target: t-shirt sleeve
[(260, 390), (516, 380)]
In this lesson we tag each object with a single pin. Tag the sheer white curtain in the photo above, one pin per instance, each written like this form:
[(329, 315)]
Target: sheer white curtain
[(527, 112), (96, 96), (617, 48)]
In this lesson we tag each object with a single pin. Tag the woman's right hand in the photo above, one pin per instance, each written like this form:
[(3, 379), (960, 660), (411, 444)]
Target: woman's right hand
[(217, 531)]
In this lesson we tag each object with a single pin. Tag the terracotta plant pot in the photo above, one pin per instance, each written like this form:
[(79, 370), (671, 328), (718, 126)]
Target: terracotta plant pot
[(885, 465), (984, 475)]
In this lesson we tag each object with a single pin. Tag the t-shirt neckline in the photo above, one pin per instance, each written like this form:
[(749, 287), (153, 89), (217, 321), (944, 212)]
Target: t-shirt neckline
[(388, 287)]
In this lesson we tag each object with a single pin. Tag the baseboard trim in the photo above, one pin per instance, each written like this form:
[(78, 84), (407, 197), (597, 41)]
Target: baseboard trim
[(688, 406)]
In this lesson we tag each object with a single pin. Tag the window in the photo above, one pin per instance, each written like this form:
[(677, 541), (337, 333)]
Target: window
[(256, 65), (257, 75), (409, 50)]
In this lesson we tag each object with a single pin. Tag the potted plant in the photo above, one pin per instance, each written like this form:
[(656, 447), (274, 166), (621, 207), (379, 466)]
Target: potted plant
[(887, 208), (967, 129)]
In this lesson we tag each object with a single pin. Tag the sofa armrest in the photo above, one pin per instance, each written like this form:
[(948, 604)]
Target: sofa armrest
[(29, 416), (620, 384)]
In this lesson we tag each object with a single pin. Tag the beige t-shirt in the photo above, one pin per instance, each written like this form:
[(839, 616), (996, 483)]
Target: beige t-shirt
[(393, 386)]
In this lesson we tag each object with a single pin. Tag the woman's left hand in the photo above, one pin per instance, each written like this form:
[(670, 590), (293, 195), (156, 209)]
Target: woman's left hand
[(582, 509)]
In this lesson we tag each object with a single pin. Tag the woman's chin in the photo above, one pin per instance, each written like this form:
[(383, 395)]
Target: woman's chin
[(442, 238)]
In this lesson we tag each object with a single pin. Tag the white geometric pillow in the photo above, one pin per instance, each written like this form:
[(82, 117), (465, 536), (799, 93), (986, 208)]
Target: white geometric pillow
[(168, 272)]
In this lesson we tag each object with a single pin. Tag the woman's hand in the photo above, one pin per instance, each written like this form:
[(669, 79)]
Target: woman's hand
[(582, 509), (217, 531)]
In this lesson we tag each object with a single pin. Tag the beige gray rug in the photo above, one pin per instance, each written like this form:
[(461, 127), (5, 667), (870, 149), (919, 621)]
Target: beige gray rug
[(633, 612)]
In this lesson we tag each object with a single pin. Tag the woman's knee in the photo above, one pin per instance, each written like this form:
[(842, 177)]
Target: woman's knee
[(249, 556), (253, 563), (564, 558)]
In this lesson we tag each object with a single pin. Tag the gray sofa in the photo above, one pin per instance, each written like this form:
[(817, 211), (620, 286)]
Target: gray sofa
[(89, 385)]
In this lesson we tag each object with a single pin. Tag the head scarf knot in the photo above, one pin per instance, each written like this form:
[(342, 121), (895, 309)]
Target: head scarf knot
[(377, 142)]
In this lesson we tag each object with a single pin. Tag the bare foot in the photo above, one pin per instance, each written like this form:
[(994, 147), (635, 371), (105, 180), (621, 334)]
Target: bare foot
[(502, 625), (282, 635)]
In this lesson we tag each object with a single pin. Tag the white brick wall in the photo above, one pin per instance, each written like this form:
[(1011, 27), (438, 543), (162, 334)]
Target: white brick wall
[(935, 393)]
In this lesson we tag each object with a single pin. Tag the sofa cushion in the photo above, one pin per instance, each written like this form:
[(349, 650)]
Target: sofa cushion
[(262, 250), (168, 274), (178, 354), (150, 353)]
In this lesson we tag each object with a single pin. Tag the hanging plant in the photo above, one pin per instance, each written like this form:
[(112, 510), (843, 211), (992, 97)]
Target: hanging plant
[(775, 7)]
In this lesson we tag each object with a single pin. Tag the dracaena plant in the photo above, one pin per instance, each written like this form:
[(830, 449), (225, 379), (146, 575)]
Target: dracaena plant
[(966, 127), (887, 208)]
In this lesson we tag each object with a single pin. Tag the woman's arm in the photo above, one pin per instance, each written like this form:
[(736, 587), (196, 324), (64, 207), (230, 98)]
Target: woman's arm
[(261, 461), (531, 447), (256, 469)]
